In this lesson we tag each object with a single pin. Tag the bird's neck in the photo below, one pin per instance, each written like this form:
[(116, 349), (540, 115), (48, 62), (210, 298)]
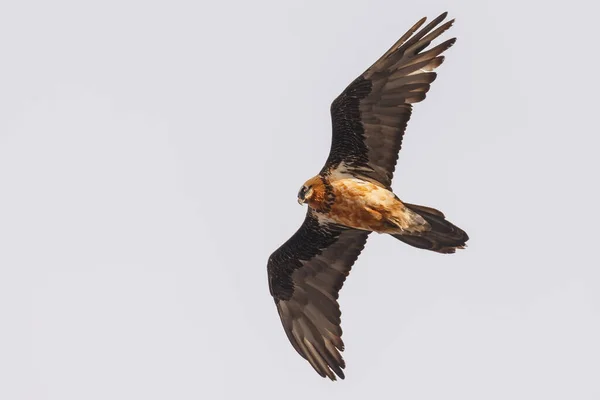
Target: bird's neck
[(322, 197)]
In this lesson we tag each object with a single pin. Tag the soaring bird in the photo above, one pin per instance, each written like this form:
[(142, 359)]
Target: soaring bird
[(352, 197)]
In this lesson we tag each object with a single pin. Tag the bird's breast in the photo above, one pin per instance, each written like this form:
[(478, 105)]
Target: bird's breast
[(363, 205)]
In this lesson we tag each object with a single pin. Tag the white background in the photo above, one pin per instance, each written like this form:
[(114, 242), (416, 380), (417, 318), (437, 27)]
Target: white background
[(150, 156)]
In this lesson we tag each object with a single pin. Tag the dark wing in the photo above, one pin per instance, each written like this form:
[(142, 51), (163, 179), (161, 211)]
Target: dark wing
[(370, 116), (305, 275)]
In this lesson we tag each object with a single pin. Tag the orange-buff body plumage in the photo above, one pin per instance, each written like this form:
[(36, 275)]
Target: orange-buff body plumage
[(363, 205)]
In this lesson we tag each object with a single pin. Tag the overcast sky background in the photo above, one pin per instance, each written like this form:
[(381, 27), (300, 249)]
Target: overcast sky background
[(150, 156)]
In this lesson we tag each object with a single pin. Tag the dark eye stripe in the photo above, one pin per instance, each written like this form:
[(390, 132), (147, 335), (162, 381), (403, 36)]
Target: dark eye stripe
[(302, 192)]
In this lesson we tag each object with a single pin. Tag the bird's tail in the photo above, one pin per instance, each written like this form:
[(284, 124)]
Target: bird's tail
[(443, 237)]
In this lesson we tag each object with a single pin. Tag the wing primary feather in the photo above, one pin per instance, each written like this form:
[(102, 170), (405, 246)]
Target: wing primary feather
[(427, 39), (404, 37), (409, 69), (285, 315), (431, 53), (319, 359), (414, 39), (397, 80), (335, 353), (331, 362), (313, 341), (307, 353)]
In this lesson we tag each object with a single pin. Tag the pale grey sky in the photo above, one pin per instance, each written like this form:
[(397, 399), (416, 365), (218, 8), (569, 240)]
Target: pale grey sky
[(150, 156)]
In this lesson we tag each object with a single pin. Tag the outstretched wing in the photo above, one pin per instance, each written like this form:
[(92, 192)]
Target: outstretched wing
[(305, 276), (370, 116)]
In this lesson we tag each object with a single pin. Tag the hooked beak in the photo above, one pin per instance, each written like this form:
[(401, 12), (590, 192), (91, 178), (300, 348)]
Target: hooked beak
[(300, 201)]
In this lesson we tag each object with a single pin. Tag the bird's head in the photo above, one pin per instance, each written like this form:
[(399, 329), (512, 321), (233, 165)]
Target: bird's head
[(305, 193), (312, 192)]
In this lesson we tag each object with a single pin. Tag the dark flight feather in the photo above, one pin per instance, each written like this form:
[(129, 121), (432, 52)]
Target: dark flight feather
[(305, 276), (370, 116)]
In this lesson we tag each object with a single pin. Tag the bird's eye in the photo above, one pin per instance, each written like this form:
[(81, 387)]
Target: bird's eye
[(302, 192)]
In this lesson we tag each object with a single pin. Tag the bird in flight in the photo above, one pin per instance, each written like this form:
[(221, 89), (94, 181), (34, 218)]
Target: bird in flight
[(352, 197)]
